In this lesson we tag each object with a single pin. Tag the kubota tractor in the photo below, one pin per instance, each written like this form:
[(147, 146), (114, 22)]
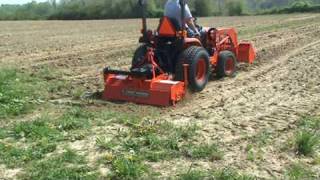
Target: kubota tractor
[(168, 62)]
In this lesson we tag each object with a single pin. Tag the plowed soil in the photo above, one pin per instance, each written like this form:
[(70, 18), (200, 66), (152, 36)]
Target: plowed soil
[(269, 96)]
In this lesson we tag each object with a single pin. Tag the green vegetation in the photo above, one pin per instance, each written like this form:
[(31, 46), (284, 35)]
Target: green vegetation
[(3, 133), (155, 142), (307, 143), (295, 7), (107, 9), (55, 84), (36, 130), (202, 8), (312, 123), (13, 156), (75, 118), (193, 175), (235, 8), (210, 151), (246, 32), (299, 171), (223, 174), (151, 141), (250, 152), (231, 174), (67, 165), (307, 139), (127, 167), (44, 127), (262, 138), (21, 92), (18, 92)]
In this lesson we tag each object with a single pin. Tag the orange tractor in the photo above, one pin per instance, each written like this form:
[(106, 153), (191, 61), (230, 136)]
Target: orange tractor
[(169, 62)]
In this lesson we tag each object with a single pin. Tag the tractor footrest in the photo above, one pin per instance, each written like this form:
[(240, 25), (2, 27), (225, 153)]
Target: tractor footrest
[(157, 91)]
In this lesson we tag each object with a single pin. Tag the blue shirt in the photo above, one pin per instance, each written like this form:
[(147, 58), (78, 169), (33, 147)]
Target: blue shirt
[(173, 10)]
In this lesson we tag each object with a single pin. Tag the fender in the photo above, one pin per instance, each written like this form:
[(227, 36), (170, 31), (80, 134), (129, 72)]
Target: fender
[(191, 42)]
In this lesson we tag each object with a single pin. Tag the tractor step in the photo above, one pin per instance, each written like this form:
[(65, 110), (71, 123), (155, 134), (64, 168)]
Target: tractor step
[(160, 91)]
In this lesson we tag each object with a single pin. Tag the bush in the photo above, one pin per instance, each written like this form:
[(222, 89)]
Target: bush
[(235, 8), (203, 8), (298, 6)]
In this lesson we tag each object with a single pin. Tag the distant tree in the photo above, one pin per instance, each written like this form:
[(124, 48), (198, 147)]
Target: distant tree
[(235, 7), (53, 3), (203, 7), (107, 9)]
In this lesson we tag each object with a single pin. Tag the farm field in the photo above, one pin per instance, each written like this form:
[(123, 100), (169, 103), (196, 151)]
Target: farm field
[(247, 127)]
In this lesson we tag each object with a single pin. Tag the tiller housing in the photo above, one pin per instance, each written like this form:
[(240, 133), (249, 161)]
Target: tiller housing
[(169, 62)]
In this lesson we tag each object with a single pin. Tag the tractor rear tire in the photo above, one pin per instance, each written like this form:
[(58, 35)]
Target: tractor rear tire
[(227, 64), (139, 55), (198, 70)]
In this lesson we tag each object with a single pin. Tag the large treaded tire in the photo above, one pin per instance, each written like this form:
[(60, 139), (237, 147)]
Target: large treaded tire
[(198, 71), (139, 56), (227, 64)]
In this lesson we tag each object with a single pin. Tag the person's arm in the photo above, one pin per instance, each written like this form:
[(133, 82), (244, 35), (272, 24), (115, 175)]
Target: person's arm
[(192, 26), (189, 20)]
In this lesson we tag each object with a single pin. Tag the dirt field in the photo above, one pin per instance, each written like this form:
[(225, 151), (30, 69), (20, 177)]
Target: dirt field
[(268, 97)]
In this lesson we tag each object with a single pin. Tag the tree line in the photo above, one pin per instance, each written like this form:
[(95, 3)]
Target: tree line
[(115, 9)]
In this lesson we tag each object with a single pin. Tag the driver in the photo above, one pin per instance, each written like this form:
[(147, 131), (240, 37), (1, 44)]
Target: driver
[(173, 10)]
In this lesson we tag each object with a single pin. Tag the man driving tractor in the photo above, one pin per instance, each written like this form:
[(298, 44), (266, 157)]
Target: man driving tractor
[(173, 11)]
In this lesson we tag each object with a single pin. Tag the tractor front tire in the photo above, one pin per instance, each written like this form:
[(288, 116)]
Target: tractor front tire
[(197, 60), (227, 64)]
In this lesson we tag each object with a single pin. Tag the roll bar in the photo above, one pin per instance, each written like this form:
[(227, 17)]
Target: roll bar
[(183, 12), (143, 4)]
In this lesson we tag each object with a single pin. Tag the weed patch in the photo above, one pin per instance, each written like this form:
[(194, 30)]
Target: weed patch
[(231, 174), (262, 138), (68, 165), (312, 123), (3, 133), (151, 140), (13, 156), (307, 138), (224, 174), (193, 175), (37, 130), (127, 167), (306, 143), (210, 151), (299, 171), (56, 84), (18, 93), (105, 144), (75, 118), (146, 141)]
